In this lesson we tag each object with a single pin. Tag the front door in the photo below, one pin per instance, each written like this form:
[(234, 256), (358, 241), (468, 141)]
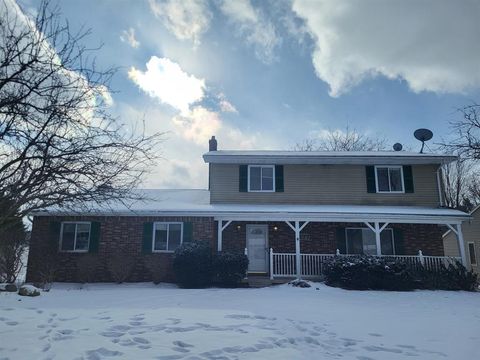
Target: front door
[(257, 247)]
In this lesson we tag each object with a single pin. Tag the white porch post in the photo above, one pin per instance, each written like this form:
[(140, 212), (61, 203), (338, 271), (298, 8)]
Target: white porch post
[(457, 230), (297, 250), (220, 228), (461, 244), (377, 230), (297, 229), (377, 239)]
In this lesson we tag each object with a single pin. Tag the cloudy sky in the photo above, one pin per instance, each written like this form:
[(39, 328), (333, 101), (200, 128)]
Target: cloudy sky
[(268, 74)]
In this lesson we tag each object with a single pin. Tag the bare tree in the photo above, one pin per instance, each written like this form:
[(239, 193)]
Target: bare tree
[(460, 184), (348, 140), (13, 243), (59, 144), (467, 128), (461, 178)]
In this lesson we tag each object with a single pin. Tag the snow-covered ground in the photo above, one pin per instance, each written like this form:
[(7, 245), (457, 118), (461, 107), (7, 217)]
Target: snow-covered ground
[(144, 321)]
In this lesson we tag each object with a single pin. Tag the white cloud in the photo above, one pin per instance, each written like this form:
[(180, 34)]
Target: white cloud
[(429, 44), (186, 19), (225, 105), (166, 81), (252, 24), (198, 124), (128, 36)]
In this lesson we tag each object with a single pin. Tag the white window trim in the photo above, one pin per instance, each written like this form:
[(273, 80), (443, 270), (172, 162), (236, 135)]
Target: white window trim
[(474, 253), (75, 237), (261, 166), (389, 167), (168, 234), (361, 228)]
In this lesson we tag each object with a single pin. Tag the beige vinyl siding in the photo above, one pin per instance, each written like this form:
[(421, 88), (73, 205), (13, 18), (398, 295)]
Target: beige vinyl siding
[(471, 233), (323, 184)]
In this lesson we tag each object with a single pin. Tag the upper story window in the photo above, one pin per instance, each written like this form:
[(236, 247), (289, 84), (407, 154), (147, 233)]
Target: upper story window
[(75, 236), (261, 178), (389, 179), (167, 237)]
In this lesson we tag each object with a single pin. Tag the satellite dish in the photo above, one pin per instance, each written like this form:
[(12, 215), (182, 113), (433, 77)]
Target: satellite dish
[(397, 147), (423, 135)]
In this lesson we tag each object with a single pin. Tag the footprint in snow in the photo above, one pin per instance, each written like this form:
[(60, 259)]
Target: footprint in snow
[(120, 327), (180, 349), (99, 353), (381, 348), (112, 334), (136, 323), (182, 344), (141, 340), (169, 357)]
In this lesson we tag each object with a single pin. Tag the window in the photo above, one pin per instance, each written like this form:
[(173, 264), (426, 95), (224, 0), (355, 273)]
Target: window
[(75, 236), (471, 253), (362, 241), (261, 178), (389, 179), (167, 237)]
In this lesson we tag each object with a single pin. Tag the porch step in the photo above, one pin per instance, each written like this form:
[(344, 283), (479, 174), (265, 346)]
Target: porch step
[(259, 281)]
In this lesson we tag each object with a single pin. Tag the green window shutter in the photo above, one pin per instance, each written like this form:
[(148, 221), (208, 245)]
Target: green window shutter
[(147, 237), (341, 240), (408, 178), (94, 237), (243, 178), (187, 232), (370, 173), (398, 240), (54, 238), (279, 178)]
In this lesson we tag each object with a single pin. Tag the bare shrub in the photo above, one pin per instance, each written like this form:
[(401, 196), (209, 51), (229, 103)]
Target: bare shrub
[(47, 271), (120, 265), (87, 266), (154, 265)]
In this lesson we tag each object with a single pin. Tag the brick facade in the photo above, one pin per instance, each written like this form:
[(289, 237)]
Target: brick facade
[(116, 232), (320, 237), (127, 233)]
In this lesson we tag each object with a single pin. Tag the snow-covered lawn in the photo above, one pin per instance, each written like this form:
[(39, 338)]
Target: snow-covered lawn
[(144, 321)]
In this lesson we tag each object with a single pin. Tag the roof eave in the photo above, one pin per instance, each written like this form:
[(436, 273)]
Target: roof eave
[(327, 160), (279, 216)]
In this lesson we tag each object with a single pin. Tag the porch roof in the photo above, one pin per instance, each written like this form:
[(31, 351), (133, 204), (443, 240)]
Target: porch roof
[(197, 203)]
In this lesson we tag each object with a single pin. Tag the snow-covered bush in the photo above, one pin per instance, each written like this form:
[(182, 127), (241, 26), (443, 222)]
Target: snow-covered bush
[(373, 273), (192, 264), (230, 268), (368, 273), (453, 277)]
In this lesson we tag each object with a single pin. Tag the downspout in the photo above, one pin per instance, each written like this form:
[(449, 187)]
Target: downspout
[(439, 185)]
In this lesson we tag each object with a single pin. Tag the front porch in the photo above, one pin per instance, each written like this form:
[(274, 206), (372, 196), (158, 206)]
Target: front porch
[(284, 265), (282, 246)]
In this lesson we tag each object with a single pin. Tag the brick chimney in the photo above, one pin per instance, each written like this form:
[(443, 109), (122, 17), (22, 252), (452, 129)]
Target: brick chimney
[(212, 144)]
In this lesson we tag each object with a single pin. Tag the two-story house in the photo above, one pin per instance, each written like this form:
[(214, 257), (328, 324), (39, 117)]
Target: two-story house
[(287, 210)]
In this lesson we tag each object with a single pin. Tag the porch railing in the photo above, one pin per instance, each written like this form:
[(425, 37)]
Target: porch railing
[(312, 265)]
